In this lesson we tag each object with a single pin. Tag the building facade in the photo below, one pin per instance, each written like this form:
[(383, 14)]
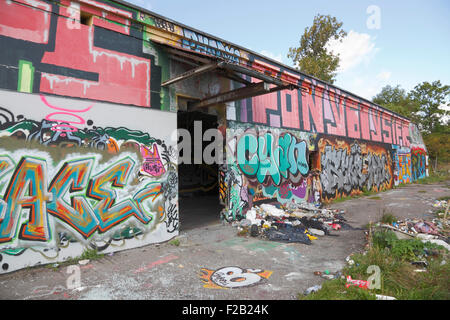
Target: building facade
[(92, 95)]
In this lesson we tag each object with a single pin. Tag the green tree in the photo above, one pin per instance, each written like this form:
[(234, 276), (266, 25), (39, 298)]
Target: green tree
[(397, 100), (431, 98), (312, 57)]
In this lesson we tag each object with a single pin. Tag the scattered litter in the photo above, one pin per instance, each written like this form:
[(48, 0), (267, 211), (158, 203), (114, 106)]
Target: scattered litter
[(433, 230), (440, 204), (358, 283), (293, 222), (312, 289), (111, 254), (254, 231), (420, 270), (438, 242), (381, 297), (316, 232), (83, 262), (423, 263), (55, 265), (317, 273), (328, 276)]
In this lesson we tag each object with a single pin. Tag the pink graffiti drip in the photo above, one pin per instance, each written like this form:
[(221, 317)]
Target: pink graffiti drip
[(64, 127), (44, 100)]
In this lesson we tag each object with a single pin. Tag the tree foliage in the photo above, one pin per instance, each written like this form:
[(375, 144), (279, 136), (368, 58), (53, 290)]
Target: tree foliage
[(312, 57), (425, 106), (431, 98)]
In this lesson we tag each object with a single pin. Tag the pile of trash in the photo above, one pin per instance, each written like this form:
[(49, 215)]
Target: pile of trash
[(440, 204), (434, 231), (300, 223)]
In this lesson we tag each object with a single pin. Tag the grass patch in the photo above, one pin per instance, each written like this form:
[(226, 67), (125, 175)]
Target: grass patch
[(88, 254), (446, 198), (397, 275), (435, 177), (175, 242), (375, 198), (422, 191), (388, 218)]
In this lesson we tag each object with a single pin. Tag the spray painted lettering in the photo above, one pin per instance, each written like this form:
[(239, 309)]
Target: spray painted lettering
[(266, 155), (100, 210), (348, 169)]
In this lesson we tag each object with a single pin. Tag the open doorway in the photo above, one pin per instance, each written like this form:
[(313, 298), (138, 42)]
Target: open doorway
[(198, 188)]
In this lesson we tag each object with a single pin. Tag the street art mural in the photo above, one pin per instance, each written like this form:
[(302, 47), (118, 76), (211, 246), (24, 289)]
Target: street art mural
[(325, 110), (104, 59), (233, 277), (419, 163), (72, 179), (266, 164), (349, 167), (402, 165)]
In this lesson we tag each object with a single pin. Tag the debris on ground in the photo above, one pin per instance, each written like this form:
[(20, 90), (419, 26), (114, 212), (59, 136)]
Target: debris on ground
[(382, 297), (301, 223), (433, 230), (358, 283), (312, 289)]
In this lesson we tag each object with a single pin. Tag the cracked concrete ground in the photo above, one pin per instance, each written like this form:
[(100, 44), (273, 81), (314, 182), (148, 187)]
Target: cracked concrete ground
[(169, 272)]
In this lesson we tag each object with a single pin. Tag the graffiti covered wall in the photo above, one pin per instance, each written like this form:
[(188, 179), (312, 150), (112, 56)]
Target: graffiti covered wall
[(350, 167), (78, 174), (266, 164), (106, 58)]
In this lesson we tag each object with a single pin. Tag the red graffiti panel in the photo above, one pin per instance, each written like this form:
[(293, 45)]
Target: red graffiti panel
[(262, 103), (290, 118), (353, 127), (335, 113), (122, 78), (387, 128), (312, 109), (364, 117), (18, 21)]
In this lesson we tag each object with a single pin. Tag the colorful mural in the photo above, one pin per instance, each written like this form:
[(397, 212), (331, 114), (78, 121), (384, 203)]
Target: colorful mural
[(267, 164), (402, 165), (72, 179), (103, 61), (233, 277), (349, 167)]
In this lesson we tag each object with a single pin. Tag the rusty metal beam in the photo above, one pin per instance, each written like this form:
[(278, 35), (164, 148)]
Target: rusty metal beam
[(252, 90)]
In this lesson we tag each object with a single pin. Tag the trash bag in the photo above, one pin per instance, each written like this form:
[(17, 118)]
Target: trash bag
[(287, 233)]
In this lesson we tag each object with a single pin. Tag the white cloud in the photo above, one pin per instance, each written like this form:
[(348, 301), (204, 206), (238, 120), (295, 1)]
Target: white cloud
[(271, 55), (384, 75), (353, 50)]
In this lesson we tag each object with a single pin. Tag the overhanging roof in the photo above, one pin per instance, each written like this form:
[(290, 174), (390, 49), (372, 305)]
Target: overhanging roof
[(177, 35)]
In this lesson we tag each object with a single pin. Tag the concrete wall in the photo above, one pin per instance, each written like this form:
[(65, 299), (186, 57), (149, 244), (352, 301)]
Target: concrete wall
[(86, 156), (345, 145)]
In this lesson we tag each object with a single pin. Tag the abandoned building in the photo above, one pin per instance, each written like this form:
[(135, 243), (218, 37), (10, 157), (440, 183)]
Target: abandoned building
[(93, 93)]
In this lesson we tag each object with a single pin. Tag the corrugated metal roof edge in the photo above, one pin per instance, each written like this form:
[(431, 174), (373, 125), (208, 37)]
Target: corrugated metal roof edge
[(276, 63)]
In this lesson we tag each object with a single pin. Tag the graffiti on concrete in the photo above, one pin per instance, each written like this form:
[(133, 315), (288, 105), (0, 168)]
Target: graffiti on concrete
[(233, 277), (402, 164), (66, 186), (107, 64), (418, 163), (348, 168), (267, 156)]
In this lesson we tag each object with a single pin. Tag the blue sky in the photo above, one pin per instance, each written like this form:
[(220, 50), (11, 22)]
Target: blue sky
[(409, 45)]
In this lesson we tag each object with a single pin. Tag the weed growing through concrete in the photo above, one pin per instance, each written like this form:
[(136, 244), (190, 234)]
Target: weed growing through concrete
[(174, 242), (388, 218)]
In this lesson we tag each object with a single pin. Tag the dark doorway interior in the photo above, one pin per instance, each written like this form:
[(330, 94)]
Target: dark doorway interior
[(198, 189)]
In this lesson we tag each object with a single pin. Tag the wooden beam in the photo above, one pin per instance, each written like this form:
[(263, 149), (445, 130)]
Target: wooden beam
[(191, 73)]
